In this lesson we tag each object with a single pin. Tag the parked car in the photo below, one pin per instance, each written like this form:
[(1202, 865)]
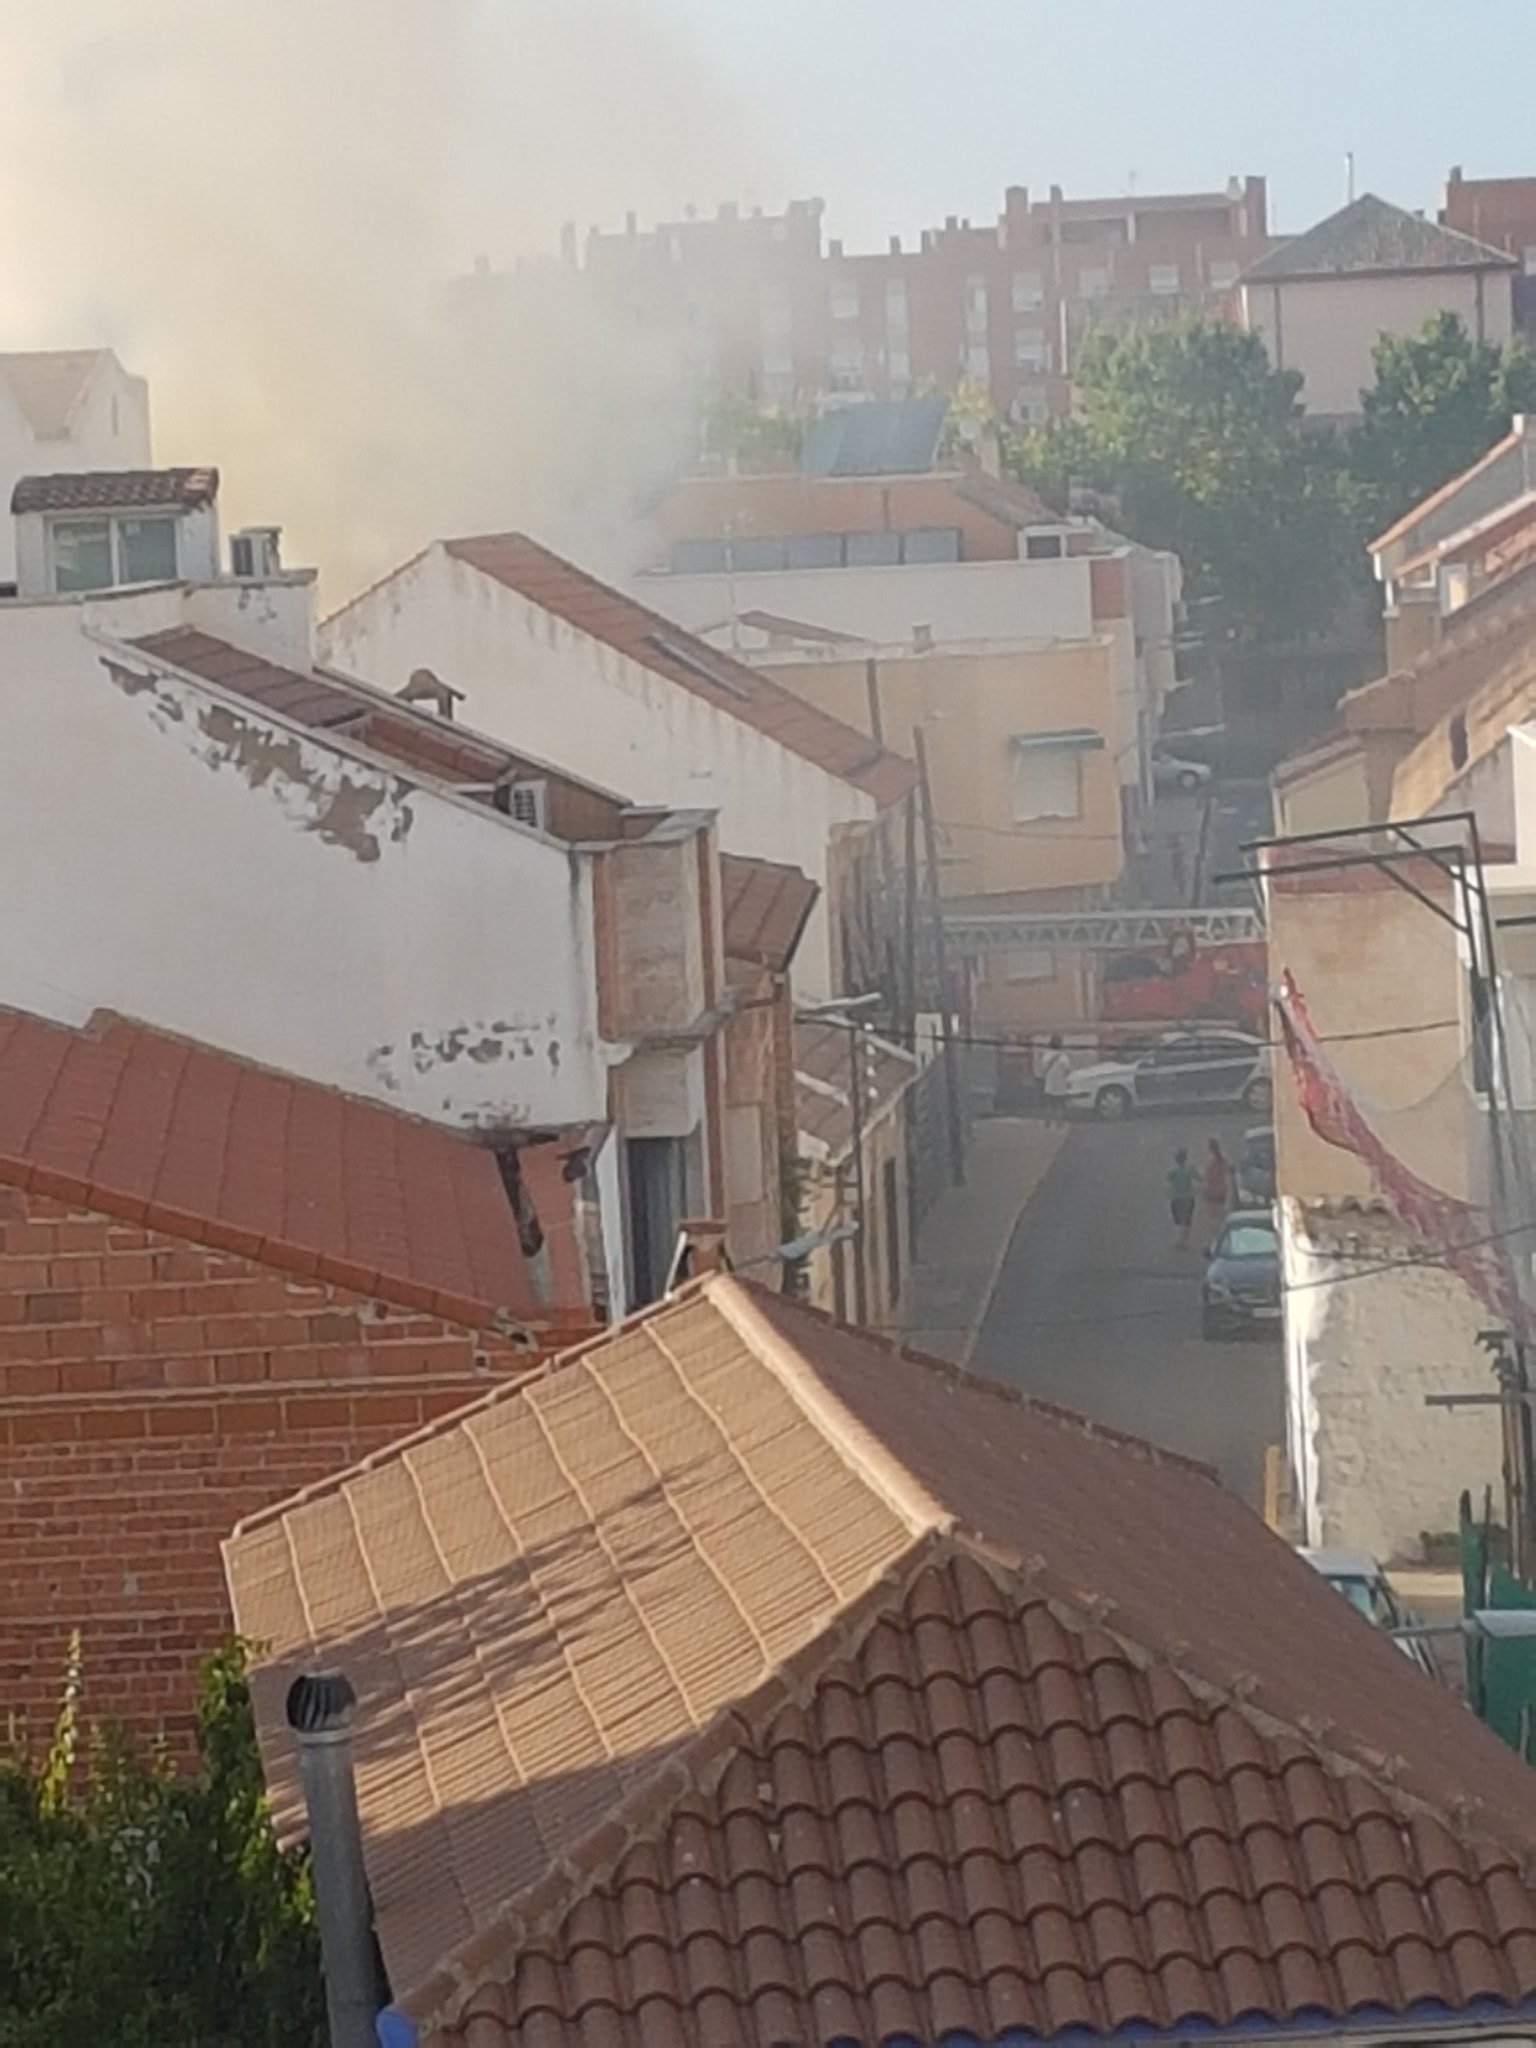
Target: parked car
[(1172, 771), (1357, 1575), (1241, 1288), (1182, 1069), (1256, 1168)]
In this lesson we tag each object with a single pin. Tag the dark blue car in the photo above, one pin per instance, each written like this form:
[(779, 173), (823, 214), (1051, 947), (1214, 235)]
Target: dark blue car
[(1241, 1288)]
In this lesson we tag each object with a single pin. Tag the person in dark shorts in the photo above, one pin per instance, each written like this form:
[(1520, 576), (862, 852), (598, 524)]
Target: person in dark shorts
[(1181, 1196)]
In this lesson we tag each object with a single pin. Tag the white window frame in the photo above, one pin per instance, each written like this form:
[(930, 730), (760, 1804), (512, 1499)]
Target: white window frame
[(1028, 291), (843, 298), (1163, 280), (56, 522), (1050, 808)]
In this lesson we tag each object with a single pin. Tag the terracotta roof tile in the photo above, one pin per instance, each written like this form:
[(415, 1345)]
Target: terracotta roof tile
[(206, 1146), (605, 614), (114, 490), (764, 907), (689, 1703)]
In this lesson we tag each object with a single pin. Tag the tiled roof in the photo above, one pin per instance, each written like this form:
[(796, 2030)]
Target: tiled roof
[(115, 490), (824, 1077), (986, 1817), (605, 614), (1371, 235), (387, 724), (948, 1702), (191, 1141), (764, 906), (48, 383)]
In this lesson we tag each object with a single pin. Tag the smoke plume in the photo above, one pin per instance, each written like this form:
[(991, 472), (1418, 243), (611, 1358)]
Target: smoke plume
[(263, 208)]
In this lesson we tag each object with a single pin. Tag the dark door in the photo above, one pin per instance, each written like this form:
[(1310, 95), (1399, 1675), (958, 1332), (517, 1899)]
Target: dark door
[(656, 1171)]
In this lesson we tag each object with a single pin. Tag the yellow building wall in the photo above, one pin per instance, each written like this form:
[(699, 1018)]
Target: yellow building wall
[(970, 706)]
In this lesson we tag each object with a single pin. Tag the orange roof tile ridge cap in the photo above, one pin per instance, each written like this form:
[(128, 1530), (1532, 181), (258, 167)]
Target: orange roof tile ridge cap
[(504, 1390), (696, 1767), (865, 1453)]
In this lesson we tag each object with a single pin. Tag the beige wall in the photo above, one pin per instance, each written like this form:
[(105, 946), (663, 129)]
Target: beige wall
[(970, 705), (1384, 986), (831, 1198), (1327, 327)]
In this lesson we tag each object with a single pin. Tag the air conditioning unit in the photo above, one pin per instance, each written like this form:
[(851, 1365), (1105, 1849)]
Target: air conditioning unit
[(524, 801), (256, 552)]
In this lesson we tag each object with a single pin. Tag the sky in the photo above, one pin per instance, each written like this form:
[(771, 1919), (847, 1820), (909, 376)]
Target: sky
[(898, 112), (261, 207)]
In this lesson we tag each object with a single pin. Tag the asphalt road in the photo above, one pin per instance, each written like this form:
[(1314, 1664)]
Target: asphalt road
[(1097, 1310)]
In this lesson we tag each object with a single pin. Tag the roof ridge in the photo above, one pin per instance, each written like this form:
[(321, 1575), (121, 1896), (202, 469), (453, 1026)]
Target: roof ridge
[(504, 1390), (696, 1766), (863, 1452)]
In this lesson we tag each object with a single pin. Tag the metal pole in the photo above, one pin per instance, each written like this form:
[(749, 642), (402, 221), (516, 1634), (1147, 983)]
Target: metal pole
[(940, 963), (909, 928), (860, 1193), (321, 1705)]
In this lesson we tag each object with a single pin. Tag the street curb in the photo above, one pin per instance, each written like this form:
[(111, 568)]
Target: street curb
[(974, 1332)]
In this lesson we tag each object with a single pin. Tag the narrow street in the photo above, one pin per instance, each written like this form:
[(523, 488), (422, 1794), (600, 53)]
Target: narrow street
[(1095, 1309)]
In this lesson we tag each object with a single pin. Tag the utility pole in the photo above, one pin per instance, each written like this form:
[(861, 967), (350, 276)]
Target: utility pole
[(940, 963), (855, 1032), (909, 927)]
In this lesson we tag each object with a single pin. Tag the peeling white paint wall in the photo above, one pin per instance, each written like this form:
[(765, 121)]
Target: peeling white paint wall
[(1367, 1337), (179, 857), (538, 684)]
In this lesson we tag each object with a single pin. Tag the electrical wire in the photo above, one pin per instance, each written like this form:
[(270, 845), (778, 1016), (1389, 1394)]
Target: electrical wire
[(1163, 1027)]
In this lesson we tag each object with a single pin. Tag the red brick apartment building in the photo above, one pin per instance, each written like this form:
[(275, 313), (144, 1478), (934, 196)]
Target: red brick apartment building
[(780, 315), (217, 1284), (1501, 212)]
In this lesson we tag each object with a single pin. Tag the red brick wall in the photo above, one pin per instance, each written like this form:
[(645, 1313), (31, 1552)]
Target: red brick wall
[(152, 1393)]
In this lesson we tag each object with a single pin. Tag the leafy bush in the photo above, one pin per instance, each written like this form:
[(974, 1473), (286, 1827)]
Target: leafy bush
[(149, 1907)]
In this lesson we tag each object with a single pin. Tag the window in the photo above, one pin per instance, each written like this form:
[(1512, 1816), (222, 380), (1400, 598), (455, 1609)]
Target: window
[(1044, 547), (698, 557), (899, 369), (1223, 275), (96, 554), (978, 365), (1093, 283), (1029, 963), (976, 305), (82, 554), (845, 298), (1528, 262), (1031, 350), (1028, 291), (1047, 783), (758, 551), (847, 362), (890, 1202), (1031, 406), (896, 306), (146, 550), (1164, 279)]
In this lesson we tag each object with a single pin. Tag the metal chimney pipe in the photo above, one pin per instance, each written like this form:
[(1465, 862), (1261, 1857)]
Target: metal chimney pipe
[(321, 1705)]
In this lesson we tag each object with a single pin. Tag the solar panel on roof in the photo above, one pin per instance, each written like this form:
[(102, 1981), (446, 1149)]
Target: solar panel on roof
[(900, 438)]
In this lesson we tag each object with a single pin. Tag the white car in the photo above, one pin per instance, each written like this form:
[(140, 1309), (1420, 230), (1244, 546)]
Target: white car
[(1357, 1575), (1183, 1069), (1169, 771)]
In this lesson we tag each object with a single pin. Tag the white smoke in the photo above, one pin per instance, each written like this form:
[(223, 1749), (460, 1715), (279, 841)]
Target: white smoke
[(260, 207)]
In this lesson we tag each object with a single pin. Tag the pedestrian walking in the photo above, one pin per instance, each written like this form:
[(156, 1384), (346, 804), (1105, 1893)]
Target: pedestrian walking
[(1181, 1197), (1216, 1178), (1054, 1079)]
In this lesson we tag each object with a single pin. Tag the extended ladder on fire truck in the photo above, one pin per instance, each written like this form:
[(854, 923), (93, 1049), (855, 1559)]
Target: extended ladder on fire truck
[(1103, 931)]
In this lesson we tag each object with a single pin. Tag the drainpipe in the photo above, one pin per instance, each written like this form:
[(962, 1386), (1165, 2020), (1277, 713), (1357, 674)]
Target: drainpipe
[(321, 1705)]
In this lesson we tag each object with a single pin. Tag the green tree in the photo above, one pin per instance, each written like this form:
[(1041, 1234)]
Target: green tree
[(1201, 446), (1440, 400), (147, 1907), (741, 430)]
